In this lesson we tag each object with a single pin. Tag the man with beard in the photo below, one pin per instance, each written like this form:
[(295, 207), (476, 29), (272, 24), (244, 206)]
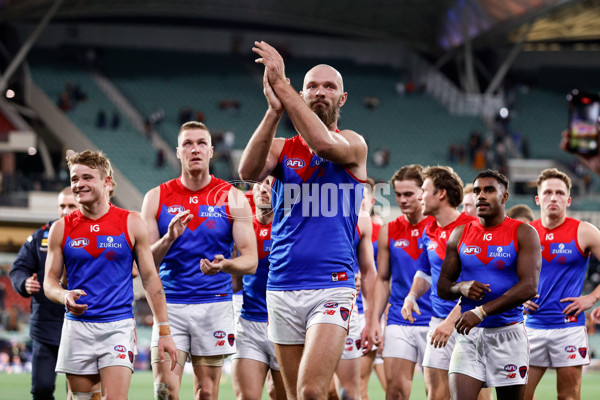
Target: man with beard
[(318, 187)]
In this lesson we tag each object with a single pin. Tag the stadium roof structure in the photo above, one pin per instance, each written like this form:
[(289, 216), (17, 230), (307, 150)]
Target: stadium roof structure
[(433, 27)]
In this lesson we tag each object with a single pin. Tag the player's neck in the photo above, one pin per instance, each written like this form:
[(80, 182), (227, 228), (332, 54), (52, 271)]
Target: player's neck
[(264, 215), (446, 215), (414, 218), (493, 221), (551, 222), (95, 210), (195, 181)]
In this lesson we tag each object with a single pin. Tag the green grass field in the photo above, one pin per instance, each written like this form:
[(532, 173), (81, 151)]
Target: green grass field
[(17, 387)]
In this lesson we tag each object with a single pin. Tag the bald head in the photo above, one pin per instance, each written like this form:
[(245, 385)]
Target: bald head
[(324, 72)]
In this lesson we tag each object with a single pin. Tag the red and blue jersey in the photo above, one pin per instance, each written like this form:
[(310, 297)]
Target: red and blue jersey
[(98, 256), (316, 204), (208, 234), (374, 236), (489, 255), (434, 241), (406, 253), (564, 265), (254, 307)]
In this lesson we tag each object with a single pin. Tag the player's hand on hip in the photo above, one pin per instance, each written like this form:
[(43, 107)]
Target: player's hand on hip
[(578, 304), (212, 267), (466, 322), (272, 61), (474, 290), (178, 224), (69, 300), (530, 306), (32, 285)]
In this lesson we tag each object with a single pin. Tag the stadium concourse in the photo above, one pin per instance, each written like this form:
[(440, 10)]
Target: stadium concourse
[(469, 84)]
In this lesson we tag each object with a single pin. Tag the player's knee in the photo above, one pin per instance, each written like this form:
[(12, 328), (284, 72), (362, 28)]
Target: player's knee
[(87, 395), (161, 391), (311, 391)]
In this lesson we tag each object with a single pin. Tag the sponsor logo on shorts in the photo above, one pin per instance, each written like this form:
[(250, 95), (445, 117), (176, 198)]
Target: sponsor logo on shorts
[(401, 243), (120, 348), (510, 367), (348, 349), (295, 163), (329, 312), (523, 371), (345, 313), (231, 339), (121, 356), (582, 351), (79, 243), (176, 209), (220, 343), (570, 349), (339, 276), (331, 304), (220, 334), (512, 375), (471, 250), (130, 354)]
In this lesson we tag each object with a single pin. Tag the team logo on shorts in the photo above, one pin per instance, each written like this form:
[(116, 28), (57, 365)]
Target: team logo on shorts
[(523, 371), (510, 367), (120, 348), (570, 349), (219, 334), (345, 313), (357, 342), (583, 352), (331, 304), (130, 354), (231, 339)]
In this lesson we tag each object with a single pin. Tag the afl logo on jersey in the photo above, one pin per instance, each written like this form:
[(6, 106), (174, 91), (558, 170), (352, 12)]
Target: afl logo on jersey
[(401, 243), (79, 243), (295, 163), (469, 250), (174, 210)]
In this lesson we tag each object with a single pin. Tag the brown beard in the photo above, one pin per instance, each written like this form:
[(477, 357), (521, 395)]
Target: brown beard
[(329, 114)]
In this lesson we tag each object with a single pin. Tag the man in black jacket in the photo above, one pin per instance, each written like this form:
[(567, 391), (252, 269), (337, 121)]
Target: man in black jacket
[(27, 276)]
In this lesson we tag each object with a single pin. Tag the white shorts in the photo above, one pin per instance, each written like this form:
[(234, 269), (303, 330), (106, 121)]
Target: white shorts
[(352, 349), (495, 356), (557, 348), (253, 343), (87, 347), (291, 313), (405, 341), (238, 301), (201, 329), (438, 357)]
